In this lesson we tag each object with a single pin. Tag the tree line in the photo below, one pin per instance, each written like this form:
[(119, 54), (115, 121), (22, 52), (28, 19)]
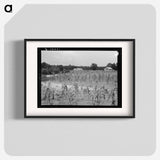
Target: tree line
[(55, 69)]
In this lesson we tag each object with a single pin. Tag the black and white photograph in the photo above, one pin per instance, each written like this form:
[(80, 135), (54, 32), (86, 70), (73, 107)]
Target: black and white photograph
[(84, 77), (79, 78)]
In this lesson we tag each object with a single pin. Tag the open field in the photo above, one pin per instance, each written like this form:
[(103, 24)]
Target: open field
[(86, 87)]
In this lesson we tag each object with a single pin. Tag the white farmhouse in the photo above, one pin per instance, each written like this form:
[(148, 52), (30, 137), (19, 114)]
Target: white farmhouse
[(108, 69), (77, 69)]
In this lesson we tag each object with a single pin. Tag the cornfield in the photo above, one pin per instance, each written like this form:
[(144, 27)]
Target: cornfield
[(80, 88)]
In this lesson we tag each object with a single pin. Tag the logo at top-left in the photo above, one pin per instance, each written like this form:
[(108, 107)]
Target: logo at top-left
[(8, 8)]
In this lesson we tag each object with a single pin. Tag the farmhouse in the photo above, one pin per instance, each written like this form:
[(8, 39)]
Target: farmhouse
[(107, 69), (77, 69)]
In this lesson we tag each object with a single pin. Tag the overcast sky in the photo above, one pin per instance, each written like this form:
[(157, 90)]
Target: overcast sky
[(79, 58)]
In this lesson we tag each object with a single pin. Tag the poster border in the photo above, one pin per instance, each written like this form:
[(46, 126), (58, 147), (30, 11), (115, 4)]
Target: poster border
[(25, 76)]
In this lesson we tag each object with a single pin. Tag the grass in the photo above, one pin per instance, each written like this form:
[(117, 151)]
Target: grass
[(80, 88)]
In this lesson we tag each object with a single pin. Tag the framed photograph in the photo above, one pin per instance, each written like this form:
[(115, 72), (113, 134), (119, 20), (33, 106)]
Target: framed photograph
[(92, 78)]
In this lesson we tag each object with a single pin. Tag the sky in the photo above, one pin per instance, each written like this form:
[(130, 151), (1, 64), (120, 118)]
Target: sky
[(79, 58)]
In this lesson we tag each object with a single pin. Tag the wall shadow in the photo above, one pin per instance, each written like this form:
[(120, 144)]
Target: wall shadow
[(18, 81)]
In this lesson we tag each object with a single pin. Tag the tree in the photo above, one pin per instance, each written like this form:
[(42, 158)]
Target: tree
[(44, 71), (113, 66), (93, 66), (45, 65), (109, 65), (60, 68)]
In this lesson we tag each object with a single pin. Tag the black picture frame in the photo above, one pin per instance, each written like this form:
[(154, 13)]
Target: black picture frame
[(119, 50), (119, 77)]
